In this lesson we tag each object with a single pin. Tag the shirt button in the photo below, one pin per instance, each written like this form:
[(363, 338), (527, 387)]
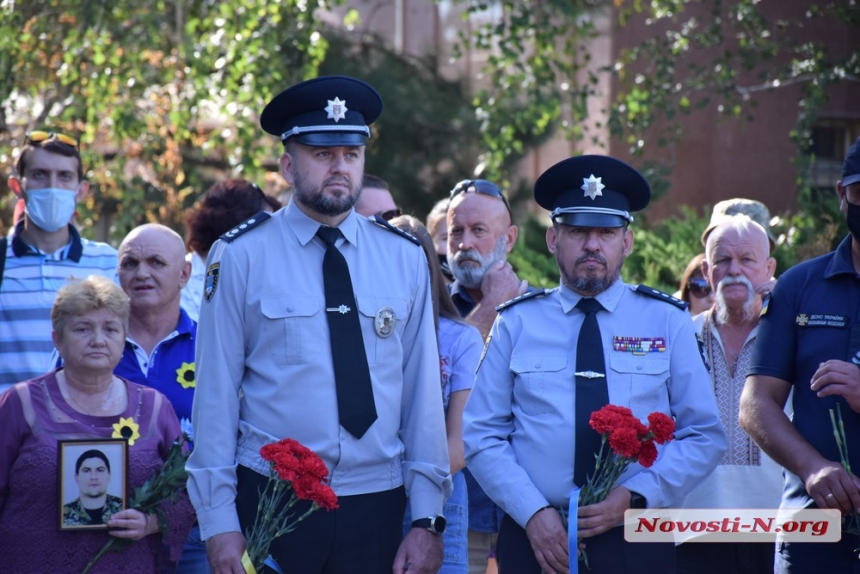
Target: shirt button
[(638, 367)]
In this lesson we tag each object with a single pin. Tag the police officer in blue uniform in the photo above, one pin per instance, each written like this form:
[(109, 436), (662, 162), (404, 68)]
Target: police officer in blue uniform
[(809, 342), (548, 365), (317, 325)]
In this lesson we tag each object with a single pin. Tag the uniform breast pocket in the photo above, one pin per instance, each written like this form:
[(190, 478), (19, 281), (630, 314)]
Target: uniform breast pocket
[(541, 385), (382, 322), (640, 382), (290, 326)]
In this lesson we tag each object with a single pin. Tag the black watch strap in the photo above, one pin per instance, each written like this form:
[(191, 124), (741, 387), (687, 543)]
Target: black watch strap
[(435, 524), (637, 500)]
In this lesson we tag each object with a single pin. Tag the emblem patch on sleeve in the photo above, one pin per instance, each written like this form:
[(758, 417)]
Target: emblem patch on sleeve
[(211, 282)]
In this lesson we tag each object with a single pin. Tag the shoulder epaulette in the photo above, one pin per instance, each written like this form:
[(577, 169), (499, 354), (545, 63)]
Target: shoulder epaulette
[(521, 298), (246, 226), (385, 225), (651, 292)]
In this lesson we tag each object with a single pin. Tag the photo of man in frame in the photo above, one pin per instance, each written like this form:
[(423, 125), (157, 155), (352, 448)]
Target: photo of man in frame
[(92, 474)]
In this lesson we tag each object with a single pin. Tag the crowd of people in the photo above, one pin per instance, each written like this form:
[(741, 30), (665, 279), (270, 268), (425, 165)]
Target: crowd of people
[(448, 398)]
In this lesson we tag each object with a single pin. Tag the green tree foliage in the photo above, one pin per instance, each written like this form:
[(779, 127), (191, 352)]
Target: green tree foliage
[(162, 93), (428, 138), (662, 250), (701, 52)]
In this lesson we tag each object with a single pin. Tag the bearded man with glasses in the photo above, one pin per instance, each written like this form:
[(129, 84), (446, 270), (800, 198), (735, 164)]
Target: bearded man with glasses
[(43, 252), (481, 233)]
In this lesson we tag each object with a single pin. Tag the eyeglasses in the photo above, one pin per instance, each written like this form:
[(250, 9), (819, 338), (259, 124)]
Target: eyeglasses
[(390, 214), (40, 136), (699, 287), (483, 187)]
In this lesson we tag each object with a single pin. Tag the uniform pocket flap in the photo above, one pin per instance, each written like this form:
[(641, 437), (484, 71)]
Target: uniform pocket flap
[(538, 363), (289, 306), (371, 306), (644, 365)]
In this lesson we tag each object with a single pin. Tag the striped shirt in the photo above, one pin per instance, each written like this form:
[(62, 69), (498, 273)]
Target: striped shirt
[(31, 280)]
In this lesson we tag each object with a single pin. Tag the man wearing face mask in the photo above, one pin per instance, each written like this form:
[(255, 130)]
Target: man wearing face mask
[(43, 252), (809, 343)]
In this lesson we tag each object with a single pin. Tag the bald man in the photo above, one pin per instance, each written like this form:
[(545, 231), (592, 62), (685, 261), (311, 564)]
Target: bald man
[(159, 348)]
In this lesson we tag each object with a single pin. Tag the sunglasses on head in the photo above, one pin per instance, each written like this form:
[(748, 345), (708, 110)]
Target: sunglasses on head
[(483, 187), (699, 287), (390, 214), (41, 136)]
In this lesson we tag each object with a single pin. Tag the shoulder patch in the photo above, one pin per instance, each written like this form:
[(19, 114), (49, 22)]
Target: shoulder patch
[(385, 225), (765, 301), (521, 298), (246, 226), (651, 292)]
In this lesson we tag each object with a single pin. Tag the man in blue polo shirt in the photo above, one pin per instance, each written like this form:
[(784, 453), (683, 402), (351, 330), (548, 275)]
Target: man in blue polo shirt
[(809, 342), (159, 348), (43, 252)]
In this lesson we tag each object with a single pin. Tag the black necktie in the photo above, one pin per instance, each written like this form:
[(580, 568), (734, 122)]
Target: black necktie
[(591, 390), (355, 405)]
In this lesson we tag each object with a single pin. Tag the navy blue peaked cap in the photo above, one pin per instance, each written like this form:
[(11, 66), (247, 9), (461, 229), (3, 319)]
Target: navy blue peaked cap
[(851, 166), (592, 191), (325, 111)]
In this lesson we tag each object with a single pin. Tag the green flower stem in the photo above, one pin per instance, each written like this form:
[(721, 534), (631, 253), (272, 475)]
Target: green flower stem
[(164, 486)]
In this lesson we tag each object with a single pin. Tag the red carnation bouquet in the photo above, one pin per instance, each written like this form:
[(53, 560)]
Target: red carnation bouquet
[(298, 472), (629, 441)]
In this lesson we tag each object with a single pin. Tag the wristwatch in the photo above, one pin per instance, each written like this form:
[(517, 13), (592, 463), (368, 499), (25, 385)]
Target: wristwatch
[(435, 524), (637, 500)]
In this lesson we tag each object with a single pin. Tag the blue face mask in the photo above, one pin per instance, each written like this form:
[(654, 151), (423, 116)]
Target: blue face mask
[(50, 208)]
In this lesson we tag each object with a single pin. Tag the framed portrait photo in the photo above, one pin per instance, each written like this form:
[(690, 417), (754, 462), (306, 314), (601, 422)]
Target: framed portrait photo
[(92, 477)]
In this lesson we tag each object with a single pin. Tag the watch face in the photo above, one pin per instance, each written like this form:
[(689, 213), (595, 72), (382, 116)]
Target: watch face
[(438, 524)]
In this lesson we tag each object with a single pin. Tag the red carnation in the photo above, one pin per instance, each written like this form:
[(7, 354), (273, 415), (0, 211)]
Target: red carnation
[(624, 442), (662, 427), (296, 472), (647, 454), (609, 417)]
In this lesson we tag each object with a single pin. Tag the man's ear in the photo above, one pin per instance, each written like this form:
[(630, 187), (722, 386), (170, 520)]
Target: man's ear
[(83, 191), (186, 273), (628, 242), (771, 266), (552, 239), (511, 238), (15, 186), (286, 164)]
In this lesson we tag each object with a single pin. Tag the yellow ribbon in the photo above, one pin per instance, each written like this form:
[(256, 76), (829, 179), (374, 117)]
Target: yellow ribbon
[(246, 562)]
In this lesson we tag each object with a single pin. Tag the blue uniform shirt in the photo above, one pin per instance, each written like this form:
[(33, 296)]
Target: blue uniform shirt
[(813, 316), (518, 426)]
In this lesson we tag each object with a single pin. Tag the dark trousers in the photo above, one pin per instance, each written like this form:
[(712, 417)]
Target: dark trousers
[(725, 558), (608, 553), (819, 558), (362, 535)]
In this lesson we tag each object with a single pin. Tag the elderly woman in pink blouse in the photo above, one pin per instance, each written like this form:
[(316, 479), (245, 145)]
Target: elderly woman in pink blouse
[(84, 400)]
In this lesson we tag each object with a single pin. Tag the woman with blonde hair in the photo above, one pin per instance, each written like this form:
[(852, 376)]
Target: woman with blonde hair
[(85, 400)]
